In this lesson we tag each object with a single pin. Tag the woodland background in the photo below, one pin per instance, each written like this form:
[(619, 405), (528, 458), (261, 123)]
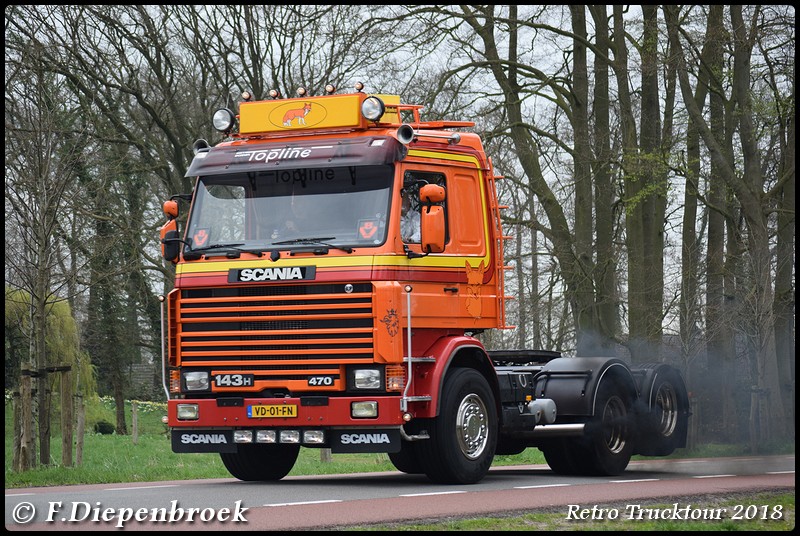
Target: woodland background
[(648, 155)]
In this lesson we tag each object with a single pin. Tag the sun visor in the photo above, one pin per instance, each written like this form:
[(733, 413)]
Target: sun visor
[(362, 151)]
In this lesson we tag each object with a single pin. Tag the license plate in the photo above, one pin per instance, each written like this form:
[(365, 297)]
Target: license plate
[(272, 411)]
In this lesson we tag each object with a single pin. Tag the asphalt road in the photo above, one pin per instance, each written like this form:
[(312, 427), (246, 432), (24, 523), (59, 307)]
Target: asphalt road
[(315, 502)]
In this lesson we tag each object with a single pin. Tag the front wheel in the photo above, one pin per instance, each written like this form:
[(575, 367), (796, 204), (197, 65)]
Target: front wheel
[(463, 436), (261, 462), (406, 460)]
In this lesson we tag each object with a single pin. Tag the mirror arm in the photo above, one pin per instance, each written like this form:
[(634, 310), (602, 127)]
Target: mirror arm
[(413, 254)]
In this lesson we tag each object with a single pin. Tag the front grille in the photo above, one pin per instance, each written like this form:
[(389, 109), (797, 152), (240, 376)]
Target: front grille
[(276, 327)]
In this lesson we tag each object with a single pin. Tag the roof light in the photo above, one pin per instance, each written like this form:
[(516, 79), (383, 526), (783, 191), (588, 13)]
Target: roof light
[(372, 108), (223, 120), (274, 93), (301, 92), (359, 86), (330, 89), (246, 95)]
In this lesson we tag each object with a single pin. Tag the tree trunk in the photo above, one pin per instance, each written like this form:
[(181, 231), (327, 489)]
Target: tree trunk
[(605, 279), (80, 428), (719, 347), (66, 418), (27, 451), (589, 338), (119, 402), (784, 287)]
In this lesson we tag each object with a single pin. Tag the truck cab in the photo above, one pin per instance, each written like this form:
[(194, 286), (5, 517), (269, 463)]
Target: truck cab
[(338, 257)]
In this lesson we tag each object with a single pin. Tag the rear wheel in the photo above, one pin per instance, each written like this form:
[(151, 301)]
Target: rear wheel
[(663, 426), (464, 435), (608, 441), (566, 456), (261, 462), (509, 446)]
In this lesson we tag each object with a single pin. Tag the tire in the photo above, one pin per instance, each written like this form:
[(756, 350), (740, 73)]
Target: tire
[(664, 426), (510, 446), (463, 437), (261, 462), (407, 459), (566, 456), (609, 440)]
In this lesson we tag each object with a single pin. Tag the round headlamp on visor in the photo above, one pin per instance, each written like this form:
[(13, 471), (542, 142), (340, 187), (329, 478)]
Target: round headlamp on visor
[(223, 120), (372, 108)]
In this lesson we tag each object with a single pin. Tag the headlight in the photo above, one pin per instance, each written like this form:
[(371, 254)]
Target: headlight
[(289, 436), (187, 412), (195, 381), (372, 108), (364, 410), (242, 436), (367, 379), (314, 437), (223, 120), (266, 436)]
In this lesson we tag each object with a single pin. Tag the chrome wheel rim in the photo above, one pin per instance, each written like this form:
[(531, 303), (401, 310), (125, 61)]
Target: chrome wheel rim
[(666, 408), (472, 426), (614, 424)]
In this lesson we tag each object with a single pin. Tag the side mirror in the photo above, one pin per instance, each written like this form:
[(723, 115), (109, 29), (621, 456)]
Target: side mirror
[(170, 209), (170, 241), (432, 222)]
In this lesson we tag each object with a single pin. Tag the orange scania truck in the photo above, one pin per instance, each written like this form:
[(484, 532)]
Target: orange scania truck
[(338, 259)]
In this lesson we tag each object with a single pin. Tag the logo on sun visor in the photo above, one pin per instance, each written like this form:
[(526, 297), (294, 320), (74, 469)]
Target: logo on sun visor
[(247, 275), (283, 153)]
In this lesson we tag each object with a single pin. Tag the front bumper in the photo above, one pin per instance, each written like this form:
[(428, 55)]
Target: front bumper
[(218, 419)]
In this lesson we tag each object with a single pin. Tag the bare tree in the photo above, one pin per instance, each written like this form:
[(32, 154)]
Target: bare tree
[(41, 159), (748, 187)]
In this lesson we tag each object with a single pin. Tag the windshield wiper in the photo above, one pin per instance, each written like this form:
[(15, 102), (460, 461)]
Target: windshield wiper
[(196, 253), (322, 240)]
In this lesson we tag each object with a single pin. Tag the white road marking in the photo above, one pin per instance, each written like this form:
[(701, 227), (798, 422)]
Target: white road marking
[(304, 502), (542, 486), (142, 487), (435, 493)]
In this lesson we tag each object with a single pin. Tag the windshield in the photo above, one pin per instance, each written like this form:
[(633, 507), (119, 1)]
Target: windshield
[(337, 206)]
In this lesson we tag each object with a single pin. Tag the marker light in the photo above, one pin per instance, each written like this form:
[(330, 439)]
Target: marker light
[(274, 93), (330, 89), (359, 86), (301, 92)]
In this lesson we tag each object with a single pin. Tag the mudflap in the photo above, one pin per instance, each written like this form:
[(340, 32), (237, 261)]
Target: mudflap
[(202, 441), (365, 440)]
